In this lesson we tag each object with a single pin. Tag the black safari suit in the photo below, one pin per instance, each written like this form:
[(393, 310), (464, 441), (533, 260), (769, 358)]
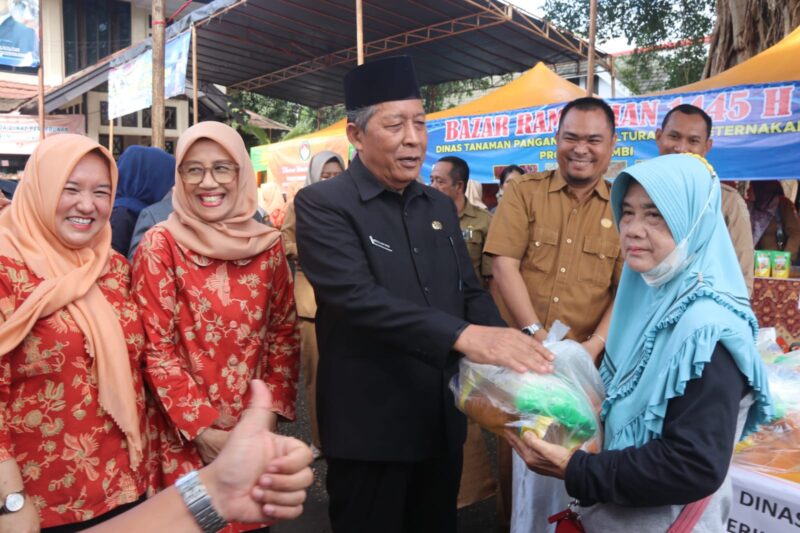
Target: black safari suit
[(394, 286)]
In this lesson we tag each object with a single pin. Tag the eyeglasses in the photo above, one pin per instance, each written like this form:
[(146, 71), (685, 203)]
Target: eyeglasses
[(221, 172)]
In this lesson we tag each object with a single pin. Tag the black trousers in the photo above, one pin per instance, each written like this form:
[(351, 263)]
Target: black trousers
[(388, 497)]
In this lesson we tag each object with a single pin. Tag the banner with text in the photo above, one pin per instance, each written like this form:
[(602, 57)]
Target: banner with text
[(19, 34), (130, 85), (19, 134), (756, 133), (287, 162)]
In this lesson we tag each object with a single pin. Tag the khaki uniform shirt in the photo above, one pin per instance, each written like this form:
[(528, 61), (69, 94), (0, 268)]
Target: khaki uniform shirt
[(303, 292), (568, 251), (474, 223), (737, 218)]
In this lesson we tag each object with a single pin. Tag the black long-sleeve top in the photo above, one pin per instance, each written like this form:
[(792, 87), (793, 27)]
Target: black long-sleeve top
[(689, 461)]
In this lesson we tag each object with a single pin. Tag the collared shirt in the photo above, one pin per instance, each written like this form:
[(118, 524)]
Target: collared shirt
[(474, 222), (568, 250)]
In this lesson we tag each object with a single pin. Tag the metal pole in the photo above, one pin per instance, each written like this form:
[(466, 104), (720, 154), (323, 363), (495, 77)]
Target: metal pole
[(592, 34), (360, 31), (157, 110), (196, 117), (41, 74)]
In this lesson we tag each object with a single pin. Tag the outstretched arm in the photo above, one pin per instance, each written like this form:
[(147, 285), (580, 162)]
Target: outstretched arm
[(258, 477)]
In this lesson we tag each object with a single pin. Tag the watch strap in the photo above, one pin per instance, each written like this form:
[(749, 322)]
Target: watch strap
[(197, 499), (532, 329)]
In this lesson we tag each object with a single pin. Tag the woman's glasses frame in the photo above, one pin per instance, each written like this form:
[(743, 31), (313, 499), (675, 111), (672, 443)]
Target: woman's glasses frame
[(222, 173)]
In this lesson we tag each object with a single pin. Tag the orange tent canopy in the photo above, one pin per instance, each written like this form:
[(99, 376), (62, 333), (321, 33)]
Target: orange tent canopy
[(780, 62), (538, 86)]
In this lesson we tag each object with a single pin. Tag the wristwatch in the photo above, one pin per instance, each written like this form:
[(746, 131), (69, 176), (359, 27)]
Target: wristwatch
[(196, 498), (532, 329), (13, 502)]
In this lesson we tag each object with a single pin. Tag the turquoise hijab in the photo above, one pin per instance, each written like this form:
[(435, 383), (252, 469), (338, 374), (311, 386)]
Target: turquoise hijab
[(662, 337)]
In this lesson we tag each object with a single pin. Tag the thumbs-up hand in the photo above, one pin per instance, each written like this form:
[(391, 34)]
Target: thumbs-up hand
[(259, 476)]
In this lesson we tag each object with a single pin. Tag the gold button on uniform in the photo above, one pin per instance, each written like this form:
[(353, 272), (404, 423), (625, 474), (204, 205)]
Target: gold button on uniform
[(555, 299), (602, 256), (537, 243), (569, 241), (563, 270)]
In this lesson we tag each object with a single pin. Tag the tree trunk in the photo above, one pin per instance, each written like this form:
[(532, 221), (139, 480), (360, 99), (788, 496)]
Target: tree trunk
[(746, 27)]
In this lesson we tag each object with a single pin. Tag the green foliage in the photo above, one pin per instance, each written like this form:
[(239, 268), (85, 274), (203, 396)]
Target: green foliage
[(300, 118), (304, 120), (651, 24)]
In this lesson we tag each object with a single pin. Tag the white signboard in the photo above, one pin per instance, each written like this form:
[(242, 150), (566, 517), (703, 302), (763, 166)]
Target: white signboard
[(763, 504)]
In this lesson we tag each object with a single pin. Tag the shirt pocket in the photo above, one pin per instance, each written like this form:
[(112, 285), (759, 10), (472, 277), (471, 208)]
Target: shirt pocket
[(597, 261), (543, 249), (474, 240)]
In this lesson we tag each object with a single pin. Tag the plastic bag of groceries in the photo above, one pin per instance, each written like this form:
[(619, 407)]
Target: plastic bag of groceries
[(771, 352), (775, 447), (561, 407)]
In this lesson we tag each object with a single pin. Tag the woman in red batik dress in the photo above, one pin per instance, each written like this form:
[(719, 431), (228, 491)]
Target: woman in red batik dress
[(74, 436), (217, 299)]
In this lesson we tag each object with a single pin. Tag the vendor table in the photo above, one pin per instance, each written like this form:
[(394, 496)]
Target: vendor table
[(775, 302), (762, 503)]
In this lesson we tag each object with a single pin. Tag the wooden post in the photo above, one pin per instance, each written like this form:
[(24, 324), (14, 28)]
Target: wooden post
[(195, 107), (592, 34), (613, 77), (41, 74), (157, 110), (111, 135), (360, 31)]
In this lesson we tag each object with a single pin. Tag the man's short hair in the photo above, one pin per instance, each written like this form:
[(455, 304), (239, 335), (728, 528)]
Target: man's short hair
[(689, 109), (508, 170), (361, 116), (459, 170), (588, 103)]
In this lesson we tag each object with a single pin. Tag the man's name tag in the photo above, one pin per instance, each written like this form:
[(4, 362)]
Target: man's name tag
[(379, 244)]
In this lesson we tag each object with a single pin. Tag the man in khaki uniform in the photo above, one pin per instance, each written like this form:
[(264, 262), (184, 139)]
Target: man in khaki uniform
[(556, 252), (555, 244), (687, 128), (450, 176)]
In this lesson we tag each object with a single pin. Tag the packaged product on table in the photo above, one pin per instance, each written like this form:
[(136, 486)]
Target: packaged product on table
[(763, 267), (561, 407), (775, 447), (781, 264)]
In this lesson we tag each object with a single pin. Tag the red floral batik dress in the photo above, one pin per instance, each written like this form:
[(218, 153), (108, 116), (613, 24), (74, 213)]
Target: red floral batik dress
[(72, 455), (212, 326)]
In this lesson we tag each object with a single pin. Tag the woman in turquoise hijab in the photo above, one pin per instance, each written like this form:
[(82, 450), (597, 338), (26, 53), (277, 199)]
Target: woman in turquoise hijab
[(683, 378)]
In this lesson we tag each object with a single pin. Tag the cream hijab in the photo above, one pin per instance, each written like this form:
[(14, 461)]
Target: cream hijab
[(237, 237), (270, 197), (28, 234)]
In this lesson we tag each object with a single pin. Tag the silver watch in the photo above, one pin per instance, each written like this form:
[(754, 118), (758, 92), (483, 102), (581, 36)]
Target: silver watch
[(532, 329), (13, 502), (196, 498)]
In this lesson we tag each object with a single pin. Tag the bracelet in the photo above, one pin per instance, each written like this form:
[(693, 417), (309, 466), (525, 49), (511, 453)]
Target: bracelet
[(598, 336)]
